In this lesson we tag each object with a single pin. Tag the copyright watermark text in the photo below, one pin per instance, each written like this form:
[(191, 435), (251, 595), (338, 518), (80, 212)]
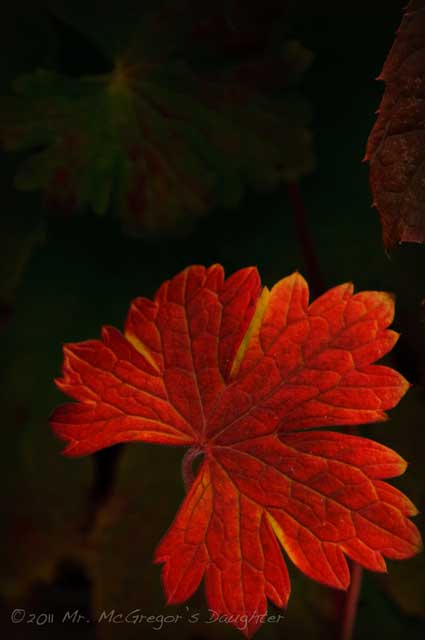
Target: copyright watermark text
[(136, 616)]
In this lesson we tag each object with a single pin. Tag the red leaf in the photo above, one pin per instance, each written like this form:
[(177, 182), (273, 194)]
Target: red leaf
[(396, 144), (245, 375)]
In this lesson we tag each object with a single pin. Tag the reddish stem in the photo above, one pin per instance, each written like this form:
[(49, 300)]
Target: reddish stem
[(187, 466), (351, 601), (351, 597), (305, 239)]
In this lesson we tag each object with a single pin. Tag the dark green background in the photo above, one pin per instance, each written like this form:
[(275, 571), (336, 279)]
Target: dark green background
[(86, 271)]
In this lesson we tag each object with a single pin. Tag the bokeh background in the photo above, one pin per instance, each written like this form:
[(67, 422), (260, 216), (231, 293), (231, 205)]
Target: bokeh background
[(79, 534)]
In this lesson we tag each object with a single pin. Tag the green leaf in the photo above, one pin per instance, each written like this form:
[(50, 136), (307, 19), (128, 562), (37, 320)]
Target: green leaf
[(157, 141)]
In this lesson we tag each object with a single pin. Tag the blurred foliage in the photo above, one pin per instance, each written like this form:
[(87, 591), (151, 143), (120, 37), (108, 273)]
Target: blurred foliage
[(161, 137), (44, 507), (85, 272)]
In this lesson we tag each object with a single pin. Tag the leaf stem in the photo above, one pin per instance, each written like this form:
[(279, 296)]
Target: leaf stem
[(305, 239), (351, 602), (187, 466)]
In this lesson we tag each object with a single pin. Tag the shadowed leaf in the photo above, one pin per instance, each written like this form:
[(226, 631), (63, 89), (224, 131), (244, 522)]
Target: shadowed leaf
[(396, 146), (160, 139)]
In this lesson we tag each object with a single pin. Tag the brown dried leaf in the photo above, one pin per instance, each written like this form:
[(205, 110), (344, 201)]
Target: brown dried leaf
[(396, 145)]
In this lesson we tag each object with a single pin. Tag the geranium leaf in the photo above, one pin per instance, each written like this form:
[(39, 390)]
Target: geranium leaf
[(395, 149), (245, 375), (123, 577), (159, 140)]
